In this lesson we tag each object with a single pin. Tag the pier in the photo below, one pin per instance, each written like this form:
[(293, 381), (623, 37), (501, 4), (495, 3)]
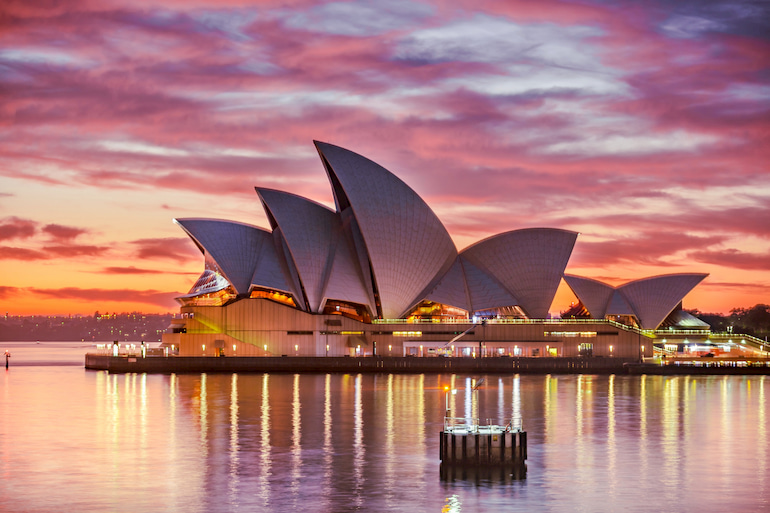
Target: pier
[(467, 442), (472, 451), (391, 364), (700, 365)]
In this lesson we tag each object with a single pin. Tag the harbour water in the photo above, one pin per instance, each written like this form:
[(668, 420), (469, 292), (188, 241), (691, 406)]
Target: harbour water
[(77, 440)]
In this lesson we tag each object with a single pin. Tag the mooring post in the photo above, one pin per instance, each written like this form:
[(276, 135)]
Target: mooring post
[(7, 357)]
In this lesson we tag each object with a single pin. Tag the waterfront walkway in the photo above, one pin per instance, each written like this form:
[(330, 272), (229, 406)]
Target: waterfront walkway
[(389, 364)]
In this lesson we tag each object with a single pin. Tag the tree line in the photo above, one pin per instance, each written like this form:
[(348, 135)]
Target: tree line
[(751, 321)]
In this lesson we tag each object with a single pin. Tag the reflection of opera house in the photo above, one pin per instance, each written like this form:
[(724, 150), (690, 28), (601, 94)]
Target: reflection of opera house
[(381, 275)]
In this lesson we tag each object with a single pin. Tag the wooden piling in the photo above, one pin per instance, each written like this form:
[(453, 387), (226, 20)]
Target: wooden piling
[(488, 447)]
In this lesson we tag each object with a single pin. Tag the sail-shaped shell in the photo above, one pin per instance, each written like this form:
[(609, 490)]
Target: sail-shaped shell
[(408, 247)]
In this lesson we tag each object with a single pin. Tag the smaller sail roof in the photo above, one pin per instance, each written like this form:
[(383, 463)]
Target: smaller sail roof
[(594, 294), (234, 247), (528, 263), (655, 297), (650, 299)]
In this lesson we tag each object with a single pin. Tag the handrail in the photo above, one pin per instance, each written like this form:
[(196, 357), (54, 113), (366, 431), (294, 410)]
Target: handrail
[(738, 336), (472, 425), (619, 325)]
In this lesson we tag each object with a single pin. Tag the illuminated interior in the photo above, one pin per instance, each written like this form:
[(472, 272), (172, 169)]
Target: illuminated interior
[(210, 289), (505, 312), (208, 282), (273, 295), (347, 309), (628, 320), (216, 298), (430, 310), (576, 311)]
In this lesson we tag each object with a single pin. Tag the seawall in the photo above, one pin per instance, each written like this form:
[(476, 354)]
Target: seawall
[(711, 368), (388, 364)]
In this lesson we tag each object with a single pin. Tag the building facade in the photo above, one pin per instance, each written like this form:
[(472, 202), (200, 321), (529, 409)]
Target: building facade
[(379, 274)]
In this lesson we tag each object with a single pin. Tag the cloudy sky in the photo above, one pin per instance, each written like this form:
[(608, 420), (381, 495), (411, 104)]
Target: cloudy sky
[(643, 125)]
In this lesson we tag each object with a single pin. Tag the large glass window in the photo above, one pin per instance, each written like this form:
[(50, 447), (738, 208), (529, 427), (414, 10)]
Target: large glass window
[(217, 298), (346, 309), (430, 310), (505, 312), (273, 295)]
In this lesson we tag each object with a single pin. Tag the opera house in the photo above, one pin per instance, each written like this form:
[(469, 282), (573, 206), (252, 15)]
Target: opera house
[(381, 275)]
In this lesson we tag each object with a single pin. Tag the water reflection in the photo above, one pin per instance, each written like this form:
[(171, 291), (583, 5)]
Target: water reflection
[(296, 434), (515, 400), (264, 453), (335, 442), (234, 458), (327, 446), (612, 450), (391, 476), (203, 413)]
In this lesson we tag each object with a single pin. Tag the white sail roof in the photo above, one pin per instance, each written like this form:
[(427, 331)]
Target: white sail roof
[(650, 299), (408, 247), (529, 263), (234, 247), (314, 238), (594, 294), (451, 288), (655, 297)]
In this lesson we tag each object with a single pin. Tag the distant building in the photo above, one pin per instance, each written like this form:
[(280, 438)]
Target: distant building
[(380, 274)]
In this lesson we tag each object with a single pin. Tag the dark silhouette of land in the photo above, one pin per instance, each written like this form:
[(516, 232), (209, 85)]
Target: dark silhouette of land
[(134, 326), (751, 321)]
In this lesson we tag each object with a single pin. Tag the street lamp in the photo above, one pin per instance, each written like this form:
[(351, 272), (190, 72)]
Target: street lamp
[(446, 397)]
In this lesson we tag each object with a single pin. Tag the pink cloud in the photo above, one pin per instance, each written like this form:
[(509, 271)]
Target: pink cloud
[(178, 249), (643, 248), (63, 233), (129, 270), (11, 253), (74, 250), (151, 297), (733, 258), (16, 228)]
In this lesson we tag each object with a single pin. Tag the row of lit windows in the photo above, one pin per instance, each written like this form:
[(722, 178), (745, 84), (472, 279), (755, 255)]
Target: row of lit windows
[(273, 295), (570, 334)]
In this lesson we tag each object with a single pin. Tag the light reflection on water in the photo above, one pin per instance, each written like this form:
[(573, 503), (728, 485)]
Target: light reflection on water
[(92, 441)]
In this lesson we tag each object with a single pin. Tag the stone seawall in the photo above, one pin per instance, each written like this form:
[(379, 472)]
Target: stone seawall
[(500, 365), (683, 370)]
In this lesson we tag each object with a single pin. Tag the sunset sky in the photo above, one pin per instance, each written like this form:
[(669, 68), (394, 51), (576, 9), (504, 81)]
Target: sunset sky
[(643, 125)]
